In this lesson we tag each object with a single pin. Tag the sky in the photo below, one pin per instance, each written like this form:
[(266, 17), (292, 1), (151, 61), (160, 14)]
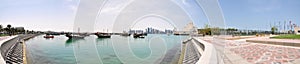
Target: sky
[(59, 15), (259, 14)]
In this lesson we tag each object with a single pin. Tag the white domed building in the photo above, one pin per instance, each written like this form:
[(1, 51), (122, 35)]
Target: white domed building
[(189, 29)]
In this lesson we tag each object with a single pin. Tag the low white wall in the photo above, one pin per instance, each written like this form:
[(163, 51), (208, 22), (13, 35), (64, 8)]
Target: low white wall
[(209, 55)]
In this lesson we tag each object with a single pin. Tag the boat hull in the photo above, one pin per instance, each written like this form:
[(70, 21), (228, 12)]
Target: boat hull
[(74, 37), (48, 36), (100, 36)]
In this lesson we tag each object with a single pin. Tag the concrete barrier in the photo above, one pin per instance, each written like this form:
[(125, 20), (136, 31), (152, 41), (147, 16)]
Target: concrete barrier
[(209, 54), (284, 43)]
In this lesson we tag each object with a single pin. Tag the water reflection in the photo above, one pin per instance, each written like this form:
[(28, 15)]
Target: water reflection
[(49, 38), (102, 41), (62, 50), (70, 41)]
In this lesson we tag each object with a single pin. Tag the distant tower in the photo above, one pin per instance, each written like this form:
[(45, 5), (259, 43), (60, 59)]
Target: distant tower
[(107, 30), (279, 26), (284, 25), (291, 25)]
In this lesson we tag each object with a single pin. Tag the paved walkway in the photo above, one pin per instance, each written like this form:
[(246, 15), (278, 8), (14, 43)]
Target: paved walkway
[(235, 37), (221, 47), (240, 51), (11, 50), (2, 40)]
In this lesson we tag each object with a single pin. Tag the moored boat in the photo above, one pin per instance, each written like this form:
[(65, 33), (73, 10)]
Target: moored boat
[(138, 35), (145, 34), (103, 35), (74, 36), (48, 36), (125, 34)]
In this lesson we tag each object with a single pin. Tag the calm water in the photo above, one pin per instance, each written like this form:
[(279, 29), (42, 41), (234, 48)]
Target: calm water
[(92, 50)]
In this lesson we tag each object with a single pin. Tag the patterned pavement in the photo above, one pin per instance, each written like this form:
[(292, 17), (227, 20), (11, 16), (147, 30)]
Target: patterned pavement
[(4, 37), (266, 54), (256, 53), (191, 54)]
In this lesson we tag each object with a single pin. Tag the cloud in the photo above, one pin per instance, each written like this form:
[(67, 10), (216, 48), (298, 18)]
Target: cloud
[(73, 8), (72, 4), (108, 14), (114, 6)]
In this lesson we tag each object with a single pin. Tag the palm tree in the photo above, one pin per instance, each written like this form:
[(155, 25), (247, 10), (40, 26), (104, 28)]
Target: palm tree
[(1, 28), (273, 29), (8, 29), (231, 30), (8, 26), (206, 30)]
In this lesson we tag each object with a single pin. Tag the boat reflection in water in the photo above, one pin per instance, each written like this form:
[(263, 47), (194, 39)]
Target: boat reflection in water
[(102, 41), (135, 35), (70, 36), (72, 41), (103, 35)]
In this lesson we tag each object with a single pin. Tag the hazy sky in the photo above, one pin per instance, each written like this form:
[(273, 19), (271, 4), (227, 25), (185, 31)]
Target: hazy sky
[(58, 15), (258, 14)]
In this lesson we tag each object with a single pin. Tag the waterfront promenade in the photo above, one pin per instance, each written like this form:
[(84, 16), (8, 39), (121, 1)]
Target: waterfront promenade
[(11, 49), (198, 51), (191, 55), (239, 51), (3, 40)]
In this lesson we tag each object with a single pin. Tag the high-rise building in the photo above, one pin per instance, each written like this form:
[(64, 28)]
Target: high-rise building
[(154, 31)]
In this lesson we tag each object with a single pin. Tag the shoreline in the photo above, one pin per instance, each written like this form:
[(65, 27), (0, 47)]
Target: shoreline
[(25, 58)]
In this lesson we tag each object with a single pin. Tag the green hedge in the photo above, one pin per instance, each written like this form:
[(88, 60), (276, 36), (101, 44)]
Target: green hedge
[(289, 36)]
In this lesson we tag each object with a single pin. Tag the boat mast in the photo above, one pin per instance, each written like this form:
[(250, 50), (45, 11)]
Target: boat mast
[(106, 30), (78, 30)]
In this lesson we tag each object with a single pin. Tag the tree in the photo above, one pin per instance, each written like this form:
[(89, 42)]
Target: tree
[(205, 31), (215, 31), (8, 29), (8, 26), (206, 26), (231, 30), (1, 28), (273, 29)]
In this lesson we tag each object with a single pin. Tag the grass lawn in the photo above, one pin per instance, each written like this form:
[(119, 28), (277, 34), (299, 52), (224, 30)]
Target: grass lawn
[(289, 36), (3, 35)]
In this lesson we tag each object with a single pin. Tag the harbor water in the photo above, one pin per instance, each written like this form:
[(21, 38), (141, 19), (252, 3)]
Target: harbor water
[(154, 48)]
